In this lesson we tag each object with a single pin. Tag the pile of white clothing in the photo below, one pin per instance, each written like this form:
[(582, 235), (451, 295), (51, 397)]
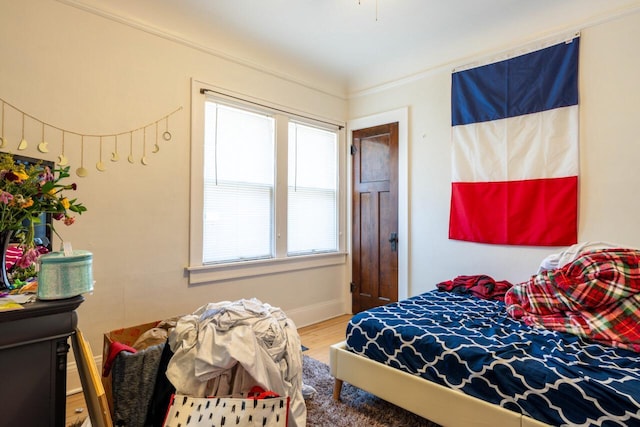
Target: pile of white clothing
[(225, 348), (572, 253)]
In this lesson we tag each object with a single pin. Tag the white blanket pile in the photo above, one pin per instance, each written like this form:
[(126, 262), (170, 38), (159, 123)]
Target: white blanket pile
[(225, 348)]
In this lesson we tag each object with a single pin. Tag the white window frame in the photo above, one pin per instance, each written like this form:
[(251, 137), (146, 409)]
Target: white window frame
[(199, 273)]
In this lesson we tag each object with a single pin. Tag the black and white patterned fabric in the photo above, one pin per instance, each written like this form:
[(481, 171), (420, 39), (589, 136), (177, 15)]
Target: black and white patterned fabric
[(472, 345), (187, 411)]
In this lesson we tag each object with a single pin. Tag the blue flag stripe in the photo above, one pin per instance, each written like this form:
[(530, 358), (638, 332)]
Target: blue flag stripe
[(530, 83)]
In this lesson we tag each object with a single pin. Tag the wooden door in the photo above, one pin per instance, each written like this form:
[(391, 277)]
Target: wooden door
[(375, 217)]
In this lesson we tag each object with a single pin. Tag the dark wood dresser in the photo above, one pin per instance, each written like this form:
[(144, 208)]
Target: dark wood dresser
[(33, 362)]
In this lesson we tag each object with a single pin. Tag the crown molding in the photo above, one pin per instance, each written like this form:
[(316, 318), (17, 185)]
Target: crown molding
[(177, 38)]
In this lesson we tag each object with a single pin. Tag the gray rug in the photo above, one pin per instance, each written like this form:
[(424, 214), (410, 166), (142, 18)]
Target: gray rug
[(356, 407)]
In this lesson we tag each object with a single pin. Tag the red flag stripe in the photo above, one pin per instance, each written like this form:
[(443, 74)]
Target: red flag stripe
[(493, 212)]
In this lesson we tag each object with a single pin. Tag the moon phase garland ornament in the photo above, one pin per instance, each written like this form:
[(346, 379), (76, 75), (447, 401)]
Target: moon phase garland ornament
[(62, 159), (100, 165), (11, 113), (23, 142)]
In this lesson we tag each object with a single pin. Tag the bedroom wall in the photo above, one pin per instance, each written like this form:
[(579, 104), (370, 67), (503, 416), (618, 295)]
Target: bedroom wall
[(609, 149), (88, 74)]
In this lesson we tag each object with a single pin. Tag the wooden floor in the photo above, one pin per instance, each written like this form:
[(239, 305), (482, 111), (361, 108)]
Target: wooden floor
[(317, 338)]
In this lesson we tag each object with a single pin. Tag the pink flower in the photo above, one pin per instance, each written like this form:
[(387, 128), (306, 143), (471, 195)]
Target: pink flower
[(69, 220), (5, 197), (28, 257)]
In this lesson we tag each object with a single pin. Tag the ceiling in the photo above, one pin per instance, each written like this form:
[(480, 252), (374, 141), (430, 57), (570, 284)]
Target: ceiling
[(357, 44)]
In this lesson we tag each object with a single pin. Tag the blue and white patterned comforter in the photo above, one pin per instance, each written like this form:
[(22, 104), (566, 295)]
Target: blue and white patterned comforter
[(472, 345)]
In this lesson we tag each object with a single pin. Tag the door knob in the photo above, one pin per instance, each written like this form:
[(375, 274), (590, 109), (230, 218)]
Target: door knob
[(393, 239)]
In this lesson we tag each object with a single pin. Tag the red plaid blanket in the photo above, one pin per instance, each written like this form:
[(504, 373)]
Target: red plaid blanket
[(597, 296)]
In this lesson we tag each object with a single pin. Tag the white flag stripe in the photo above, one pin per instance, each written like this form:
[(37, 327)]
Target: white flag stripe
[(532, 146)]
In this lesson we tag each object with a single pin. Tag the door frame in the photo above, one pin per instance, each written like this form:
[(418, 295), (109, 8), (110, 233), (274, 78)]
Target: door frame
[(401, 116)]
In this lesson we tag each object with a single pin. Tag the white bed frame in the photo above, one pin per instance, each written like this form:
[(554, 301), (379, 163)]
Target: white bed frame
[(437, 403)]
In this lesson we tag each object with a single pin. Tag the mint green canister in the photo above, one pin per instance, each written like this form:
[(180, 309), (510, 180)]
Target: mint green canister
[(65, 276)]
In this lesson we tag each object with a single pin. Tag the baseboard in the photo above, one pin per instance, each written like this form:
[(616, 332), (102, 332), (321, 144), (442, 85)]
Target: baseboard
[(316, 313), (74, 385), (73, 379)]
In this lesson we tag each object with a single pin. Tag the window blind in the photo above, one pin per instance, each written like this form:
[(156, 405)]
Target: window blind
[(239, 169), (312, 190)]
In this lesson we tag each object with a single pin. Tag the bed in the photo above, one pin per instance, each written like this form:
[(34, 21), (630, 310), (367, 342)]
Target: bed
[(459, 360)]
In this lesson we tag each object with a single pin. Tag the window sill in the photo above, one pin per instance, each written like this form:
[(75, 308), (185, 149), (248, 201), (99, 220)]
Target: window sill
[(214, 273)]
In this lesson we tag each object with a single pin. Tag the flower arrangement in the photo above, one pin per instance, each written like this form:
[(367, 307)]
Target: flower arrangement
[(28, 191)]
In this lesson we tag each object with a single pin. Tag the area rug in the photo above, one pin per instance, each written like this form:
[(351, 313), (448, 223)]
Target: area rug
[(356, 407)]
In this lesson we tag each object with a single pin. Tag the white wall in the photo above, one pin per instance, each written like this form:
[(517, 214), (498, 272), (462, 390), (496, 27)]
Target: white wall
[(609, 152), (91, 75)]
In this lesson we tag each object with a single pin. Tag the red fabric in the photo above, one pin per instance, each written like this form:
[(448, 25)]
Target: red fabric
[(480, 286), (114, 349), (258, 392), (539, 212)]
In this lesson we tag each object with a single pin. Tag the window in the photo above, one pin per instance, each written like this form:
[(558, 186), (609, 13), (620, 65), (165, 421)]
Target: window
[(239, 170), (312, 190), (266, 193)]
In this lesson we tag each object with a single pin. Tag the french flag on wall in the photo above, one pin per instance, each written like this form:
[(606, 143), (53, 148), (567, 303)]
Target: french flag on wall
[(515, 149)]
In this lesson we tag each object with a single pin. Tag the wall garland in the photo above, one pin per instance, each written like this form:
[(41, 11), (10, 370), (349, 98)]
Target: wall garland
[(158, 130)]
